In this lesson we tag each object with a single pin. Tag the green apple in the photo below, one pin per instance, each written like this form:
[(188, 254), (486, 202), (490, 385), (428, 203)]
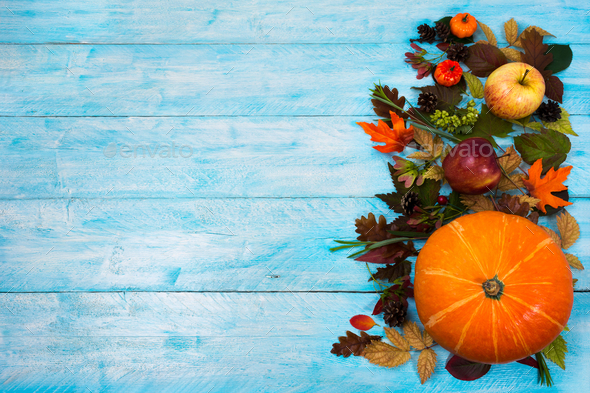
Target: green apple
[(514, 90)]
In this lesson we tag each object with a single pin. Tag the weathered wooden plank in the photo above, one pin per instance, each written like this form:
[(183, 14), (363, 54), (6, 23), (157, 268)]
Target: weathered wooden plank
[(173, 342), (184, 21), (197, 80), (231, 157), (195, 244)]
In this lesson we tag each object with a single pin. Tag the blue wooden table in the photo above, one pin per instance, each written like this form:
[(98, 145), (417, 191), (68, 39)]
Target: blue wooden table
[(173, 174)]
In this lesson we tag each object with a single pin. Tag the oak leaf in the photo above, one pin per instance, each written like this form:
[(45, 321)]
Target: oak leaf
[(511, 204), (477, 203), (381, 108), (385, 355), (371, 230), (395, 138), (542, 188), (351, 344), (568, 229), (426, 364), (574, 261)]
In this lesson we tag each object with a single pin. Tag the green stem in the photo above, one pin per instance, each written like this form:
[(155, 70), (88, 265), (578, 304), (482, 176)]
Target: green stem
[(436, 131), (374, 279)]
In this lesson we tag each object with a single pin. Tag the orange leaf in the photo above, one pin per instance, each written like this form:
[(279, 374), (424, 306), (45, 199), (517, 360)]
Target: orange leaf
[(395, 138), (552, 182), (362, 322)]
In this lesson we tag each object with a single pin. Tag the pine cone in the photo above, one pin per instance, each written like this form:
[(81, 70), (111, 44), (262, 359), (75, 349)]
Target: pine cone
[(427, 101), (427, 34), (409, 201), (442, 31), (394, 314), (549, 111), (457, 52)]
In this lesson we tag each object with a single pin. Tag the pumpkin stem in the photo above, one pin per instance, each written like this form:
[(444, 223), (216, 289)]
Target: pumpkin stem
[(465, 18), (493, 288)]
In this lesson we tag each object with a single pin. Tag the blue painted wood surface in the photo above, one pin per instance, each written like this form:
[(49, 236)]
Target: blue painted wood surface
[(126, 268)]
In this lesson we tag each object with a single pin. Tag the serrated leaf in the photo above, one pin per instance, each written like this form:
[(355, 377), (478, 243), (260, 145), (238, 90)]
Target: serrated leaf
[(413, 335), (528, 29), (428, 192), (434, 172), (385, 355), (432, 144), (574, 261), (447, 149), (448, 97), (397, 339), (532, 201), (489, 126), (512, 54), (515, 182), (510, 160), (484, 59), (562, 57), (553, 235), (393, 201), (489, 33), (549, 145), (421, 155), (351, 344), (391, 272), (556, 351), (562, 125), (554, 88), (511, 31), (427, 339), (568, 229), (574, 280), (426, 364), (477, 203), (535, 51), (475, 85)]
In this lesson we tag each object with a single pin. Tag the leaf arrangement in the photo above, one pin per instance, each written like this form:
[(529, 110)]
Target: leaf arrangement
[(532, 183)]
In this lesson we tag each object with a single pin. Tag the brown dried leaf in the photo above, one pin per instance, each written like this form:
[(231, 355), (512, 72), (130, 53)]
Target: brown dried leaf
[(510, 204), (420, 155), (426, 364), (397, 339), (351, 344), (510, 160), (553, 235), (371, 230), (382, 109), (535, 51), (413, 335), (385, 355), (447, 149), (435, 172), (391, 272), (489, 33), (568, 229), (505, 184), (528, 29), (477, 203), (532, 201), (428, 341), (574, 261), (512, 54), (511, 30)]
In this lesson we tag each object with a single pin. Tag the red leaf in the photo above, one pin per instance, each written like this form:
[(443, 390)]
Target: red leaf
[(554, 88), (484, 59), (466, 370), (443, 46), (535, 51), (376, 256), (378, 307), (362, 322), (529, 361)]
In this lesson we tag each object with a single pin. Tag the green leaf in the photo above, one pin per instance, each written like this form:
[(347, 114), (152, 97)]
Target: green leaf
[(549, 145), (393, 201), (475, 85), (447, 21), (556, 351), (448, 97), (526, 122), (488, 126), (428, 192), (562, 57), (454, 205), (484, 59), (562, 125)]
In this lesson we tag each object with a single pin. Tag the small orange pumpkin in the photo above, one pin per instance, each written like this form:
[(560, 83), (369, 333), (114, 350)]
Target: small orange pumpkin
[(448, 73), (493, 287), (463, 25)]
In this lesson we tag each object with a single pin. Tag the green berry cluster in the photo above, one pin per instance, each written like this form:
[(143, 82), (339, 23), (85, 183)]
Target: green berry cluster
[(460, 122)]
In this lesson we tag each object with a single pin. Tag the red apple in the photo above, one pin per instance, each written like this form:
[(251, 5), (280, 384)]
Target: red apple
[(471, 167), (514, 90)]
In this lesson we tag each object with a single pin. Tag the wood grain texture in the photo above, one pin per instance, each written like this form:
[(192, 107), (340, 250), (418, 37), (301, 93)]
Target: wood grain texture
[(231, 157), (196, 244), (206, 80), (184, 21), (186, 342)]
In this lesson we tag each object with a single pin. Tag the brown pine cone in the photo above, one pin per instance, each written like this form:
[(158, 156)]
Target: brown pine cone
[(442, 31), (427, 34), (427, 101), (458, 52), (394, 314), (549, 111)]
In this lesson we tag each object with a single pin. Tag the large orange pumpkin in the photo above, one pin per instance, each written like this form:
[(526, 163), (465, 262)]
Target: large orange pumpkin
[(493, 287)]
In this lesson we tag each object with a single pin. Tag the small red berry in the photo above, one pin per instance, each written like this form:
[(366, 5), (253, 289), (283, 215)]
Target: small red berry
[(442, 200)]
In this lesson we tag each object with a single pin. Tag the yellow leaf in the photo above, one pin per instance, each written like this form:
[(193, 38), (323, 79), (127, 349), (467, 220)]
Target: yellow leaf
[(489, 33), (420, 155), (426, 364), (512, 54), (537, 28), (511, 30), (385, 355), (435, 172), (568, 229), (505, 184), (482, 42), (475, 85), (432, 145), (413, 335), (532, 201), (510, 160), (428, 341), (477, 203), (447, 149), (553, 235), (397, 339), (574, 261)]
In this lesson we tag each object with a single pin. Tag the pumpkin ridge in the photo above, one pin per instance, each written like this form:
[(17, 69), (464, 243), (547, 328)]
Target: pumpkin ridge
[(466, 327), (502, 239), (441, 314), (494, 331), (535, 310), (444, 273), (541, 245), (515, 329), (459, 233), (529, 283)]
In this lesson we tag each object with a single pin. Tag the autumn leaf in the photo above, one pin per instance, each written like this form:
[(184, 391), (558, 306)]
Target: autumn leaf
[(542, 188), (568, 229), (371, 230), (381, 108), (477, 203), (489, 34), (426, 364), (362, 322), (510, 160), (420, 155), (484, 59), (529, 199), (432, 145), (511, 30), (535, 51), (475, 85), (385, 355), (574, 261), (562, 125), (514, 182), (391, 272), (395, 138), (413, 335), (351, 344), (512, 54), (553, 235), (528, 29), (397, 339), (549, 145), (435, 172)]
